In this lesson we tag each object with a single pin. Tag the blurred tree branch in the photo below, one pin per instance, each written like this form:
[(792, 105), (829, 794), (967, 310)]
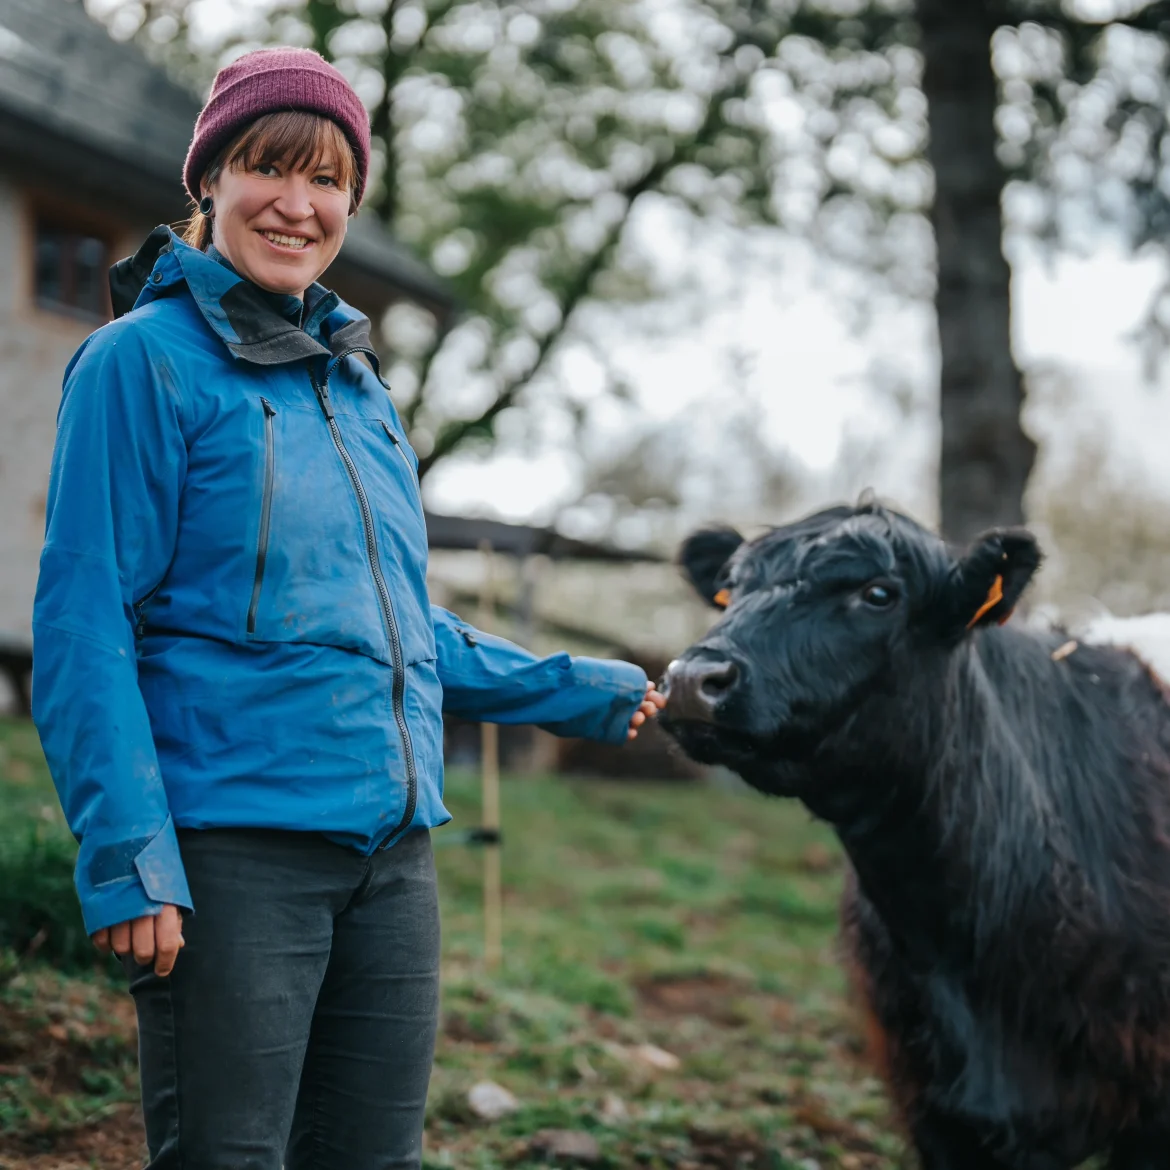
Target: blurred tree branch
[(1154, 18), (455, 432)]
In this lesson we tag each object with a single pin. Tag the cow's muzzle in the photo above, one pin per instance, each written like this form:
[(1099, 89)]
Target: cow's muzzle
[(695, 687)]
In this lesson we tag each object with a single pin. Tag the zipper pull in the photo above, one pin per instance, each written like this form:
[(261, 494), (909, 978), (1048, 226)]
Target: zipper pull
[(269, 409), (323, 398), (389, 433)]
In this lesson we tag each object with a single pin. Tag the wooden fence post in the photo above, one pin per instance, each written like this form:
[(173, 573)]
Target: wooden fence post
[(493, 912)]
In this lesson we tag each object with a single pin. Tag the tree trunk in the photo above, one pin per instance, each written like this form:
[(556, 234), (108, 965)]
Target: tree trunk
[(986, 457), (385, 202)]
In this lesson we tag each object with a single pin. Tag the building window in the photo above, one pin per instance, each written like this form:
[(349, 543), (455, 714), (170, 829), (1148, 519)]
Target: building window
[(71, 272)]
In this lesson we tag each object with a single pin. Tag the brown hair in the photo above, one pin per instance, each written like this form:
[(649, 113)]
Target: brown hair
[(296, 139)]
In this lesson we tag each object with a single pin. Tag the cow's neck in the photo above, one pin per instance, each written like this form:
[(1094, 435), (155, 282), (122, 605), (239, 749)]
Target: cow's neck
[(948, 811)]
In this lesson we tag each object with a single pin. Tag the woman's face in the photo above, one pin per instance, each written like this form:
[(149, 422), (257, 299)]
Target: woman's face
[(279, 227)]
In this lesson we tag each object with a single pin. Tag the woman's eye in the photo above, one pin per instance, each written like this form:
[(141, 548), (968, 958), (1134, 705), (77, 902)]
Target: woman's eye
[(879, 596), (326, 180), (266, 169)]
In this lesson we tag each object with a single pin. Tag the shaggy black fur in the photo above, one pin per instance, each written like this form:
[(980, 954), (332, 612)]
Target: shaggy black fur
[(1007, 816)]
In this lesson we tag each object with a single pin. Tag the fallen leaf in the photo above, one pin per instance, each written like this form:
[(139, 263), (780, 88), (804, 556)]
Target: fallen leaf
[(654, 1057), (818, 858), (613, 1110)]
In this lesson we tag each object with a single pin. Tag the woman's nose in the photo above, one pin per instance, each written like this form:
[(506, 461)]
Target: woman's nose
[(294, 200)]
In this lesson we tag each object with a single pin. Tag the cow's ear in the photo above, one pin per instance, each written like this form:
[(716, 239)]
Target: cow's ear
[(702, 558), (987, 583)]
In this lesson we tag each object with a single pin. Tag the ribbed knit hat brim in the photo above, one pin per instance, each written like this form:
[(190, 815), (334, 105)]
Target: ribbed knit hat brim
[(264, 82)]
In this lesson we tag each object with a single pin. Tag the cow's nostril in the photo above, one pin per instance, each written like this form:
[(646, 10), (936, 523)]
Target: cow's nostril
[(696, 687), (718, 679)]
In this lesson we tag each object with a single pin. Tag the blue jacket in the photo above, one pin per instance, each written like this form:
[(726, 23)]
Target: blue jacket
[(231, 624)]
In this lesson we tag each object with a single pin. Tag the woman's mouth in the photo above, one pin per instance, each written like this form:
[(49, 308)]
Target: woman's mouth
[(286, 242)]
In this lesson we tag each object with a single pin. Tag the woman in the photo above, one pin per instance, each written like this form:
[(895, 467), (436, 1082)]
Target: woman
[(239, 678)]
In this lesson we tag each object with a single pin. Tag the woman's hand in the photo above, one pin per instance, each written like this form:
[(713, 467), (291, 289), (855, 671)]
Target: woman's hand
[(651, 705), (153, 937)]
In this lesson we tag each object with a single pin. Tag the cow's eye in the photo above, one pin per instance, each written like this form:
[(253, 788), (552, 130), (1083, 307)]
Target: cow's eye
[(879, 596)]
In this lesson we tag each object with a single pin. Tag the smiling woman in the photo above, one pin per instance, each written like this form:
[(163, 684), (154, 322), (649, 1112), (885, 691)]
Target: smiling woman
[(278, 198), (239, 677)]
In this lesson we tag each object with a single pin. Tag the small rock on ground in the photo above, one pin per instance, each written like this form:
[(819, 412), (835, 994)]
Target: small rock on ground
[(654, 1057), (489, 1101), (565, 1146)]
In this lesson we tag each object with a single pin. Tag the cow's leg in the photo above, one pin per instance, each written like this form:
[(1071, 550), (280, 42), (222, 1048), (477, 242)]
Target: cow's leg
[(943, 1143), (1142, 1149)]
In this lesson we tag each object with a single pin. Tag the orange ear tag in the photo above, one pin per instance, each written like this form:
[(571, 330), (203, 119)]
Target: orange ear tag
[(722, 598), (994, 597)]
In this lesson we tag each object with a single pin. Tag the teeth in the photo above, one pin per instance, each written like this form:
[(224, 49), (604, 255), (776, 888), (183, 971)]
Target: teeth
[(286, 241)]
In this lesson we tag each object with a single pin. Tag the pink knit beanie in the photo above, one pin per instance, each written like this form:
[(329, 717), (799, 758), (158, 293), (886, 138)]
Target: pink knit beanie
[(268, 80)]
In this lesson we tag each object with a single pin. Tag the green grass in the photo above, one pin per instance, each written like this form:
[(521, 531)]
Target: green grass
[(697, 918), (38, 911)]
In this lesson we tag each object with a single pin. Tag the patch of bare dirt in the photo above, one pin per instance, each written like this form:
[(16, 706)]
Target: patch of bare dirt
[(712, 997), (67, 1058), (115, 1143), (727, 1151)]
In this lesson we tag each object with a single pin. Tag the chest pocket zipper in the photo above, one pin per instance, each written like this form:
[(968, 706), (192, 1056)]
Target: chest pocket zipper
[(396, 443), (140, 612), (265, 511)]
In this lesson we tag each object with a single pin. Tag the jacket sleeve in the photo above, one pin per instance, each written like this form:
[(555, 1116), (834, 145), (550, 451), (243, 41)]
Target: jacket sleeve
[(491, 680), (118, 466)]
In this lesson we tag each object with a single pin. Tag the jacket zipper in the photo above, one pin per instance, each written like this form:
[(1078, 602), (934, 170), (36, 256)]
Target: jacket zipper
[(265, 512), (396, 443), (140, 611), (398, 686)]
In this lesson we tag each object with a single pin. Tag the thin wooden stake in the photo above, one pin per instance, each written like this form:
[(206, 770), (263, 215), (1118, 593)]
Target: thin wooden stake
[(493, 909)]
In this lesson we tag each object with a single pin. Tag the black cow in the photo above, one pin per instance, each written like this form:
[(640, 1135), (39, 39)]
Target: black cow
[(1003, 796)]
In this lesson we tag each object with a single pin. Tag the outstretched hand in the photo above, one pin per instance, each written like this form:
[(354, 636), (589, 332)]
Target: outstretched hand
[(153, 938), (649, 707)]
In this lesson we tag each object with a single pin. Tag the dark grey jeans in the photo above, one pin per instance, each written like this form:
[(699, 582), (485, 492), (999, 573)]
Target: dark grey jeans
[(298, 1026)]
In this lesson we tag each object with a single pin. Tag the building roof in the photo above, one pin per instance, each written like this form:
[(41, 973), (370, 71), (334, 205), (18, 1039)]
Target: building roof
[(522, 540), (96, 113)]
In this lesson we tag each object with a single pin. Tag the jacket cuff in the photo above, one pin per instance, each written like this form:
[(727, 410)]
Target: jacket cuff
[(131, 879), (626, 684)]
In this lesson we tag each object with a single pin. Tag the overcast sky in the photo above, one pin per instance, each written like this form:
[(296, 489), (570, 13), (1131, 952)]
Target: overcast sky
[(811, 374)]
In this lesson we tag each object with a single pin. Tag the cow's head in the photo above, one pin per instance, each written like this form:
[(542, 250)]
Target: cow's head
[(821, 616)]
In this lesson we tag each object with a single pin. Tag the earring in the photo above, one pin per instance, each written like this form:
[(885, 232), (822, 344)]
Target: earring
[(206, 205)]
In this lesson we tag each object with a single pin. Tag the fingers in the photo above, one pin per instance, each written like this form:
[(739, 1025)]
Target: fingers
[(647, 709), (142, 940), (120, 938), (153, 938), (168, 939)]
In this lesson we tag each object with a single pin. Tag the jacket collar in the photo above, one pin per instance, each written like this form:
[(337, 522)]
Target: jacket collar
[(238, 312)]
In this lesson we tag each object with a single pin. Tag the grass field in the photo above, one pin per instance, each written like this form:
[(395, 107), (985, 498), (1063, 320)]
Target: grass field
[(669, 991)]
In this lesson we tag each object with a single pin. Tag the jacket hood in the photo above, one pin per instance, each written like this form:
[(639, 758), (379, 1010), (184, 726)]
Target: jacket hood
[(237, 311)]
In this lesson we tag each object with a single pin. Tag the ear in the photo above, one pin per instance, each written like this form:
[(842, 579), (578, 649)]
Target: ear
[(987, 583), (702, 558)]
